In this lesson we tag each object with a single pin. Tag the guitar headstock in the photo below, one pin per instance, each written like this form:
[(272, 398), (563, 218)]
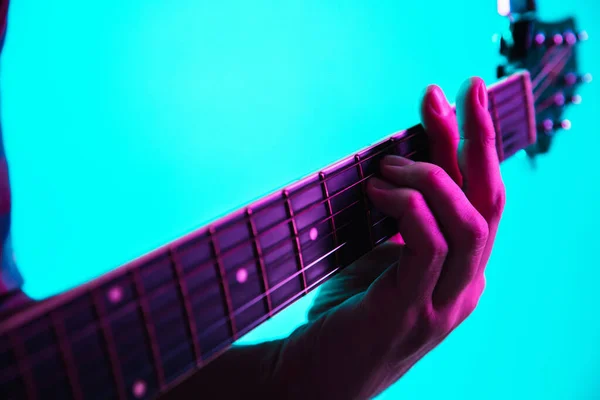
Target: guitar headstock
[(548, 50)]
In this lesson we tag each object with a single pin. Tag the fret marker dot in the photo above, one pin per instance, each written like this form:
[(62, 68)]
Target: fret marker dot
[(115, 294), (139, 389), (241, 275), (314, 233)]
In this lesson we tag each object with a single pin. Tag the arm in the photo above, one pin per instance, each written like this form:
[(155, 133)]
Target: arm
[(380, 316)]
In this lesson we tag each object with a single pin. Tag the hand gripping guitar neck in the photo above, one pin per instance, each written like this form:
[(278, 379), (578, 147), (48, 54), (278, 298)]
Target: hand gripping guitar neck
[(142, 328)]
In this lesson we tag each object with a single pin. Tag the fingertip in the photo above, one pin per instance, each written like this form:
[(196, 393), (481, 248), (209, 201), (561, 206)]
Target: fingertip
[(472, 94), (434, 104)]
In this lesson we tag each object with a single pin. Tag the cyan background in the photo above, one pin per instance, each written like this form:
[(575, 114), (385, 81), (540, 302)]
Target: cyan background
[(132, 122)]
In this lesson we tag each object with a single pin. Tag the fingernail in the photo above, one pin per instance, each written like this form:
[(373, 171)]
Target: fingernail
[(396, 161), (482, 95), (439, 104), (380, 184)]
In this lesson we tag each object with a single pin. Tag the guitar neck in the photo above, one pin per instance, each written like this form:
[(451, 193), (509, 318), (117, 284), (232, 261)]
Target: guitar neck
[(141, 328)]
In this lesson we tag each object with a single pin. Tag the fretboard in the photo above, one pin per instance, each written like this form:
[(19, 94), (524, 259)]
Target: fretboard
[(141, 328)]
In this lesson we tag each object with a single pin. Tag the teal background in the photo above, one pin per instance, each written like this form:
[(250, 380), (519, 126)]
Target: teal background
[(130, 123)]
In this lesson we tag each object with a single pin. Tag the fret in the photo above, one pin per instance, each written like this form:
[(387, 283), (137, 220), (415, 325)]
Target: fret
[(66, 354), (314, 232), (223, 281), (43, 353), (146, 328), (242, 271), (166, 310), (209, 311), (194, 253), (261, 261), (495, 120), (92, 359), (151, 333), (134, 353), (346, 203), (210, 316), (115, 367), (290, 211), (318, 250), (361, 176), (23, 367), (513, 116), (507, 93), (183, 291)]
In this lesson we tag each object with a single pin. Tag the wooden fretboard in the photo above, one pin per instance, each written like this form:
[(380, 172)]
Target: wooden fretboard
[(139, 329)]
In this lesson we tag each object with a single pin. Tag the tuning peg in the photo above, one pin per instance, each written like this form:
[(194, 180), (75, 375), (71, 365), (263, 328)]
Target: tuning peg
[(559, 99), (575, 99), (549, 126), (572, 78), (557, 39), (540, 39), (582, 36), (570, 38)]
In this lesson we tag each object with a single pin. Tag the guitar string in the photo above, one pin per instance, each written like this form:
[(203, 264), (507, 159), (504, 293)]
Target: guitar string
[(330, 197), (557, 60), (543, 72), (163, 287), (505, 88), (552, 74), (92, 327)]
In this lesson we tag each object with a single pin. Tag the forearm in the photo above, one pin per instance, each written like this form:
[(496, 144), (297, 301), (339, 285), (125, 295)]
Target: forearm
[(241, 372)]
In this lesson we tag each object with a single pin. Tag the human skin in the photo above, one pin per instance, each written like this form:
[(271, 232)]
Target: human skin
[(372, 322)]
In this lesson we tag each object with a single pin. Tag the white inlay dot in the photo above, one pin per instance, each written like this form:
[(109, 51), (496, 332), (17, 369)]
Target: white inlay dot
[(314, 233), (241, 275), (139, 389), (115, 294)]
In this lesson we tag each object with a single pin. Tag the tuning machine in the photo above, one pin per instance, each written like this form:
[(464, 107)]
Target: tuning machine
[(548, 127)]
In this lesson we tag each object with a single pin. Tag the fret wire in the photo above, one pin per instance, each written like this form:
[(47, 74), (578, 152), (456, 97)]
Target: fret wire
[(110, 344), (224, 284), (496, 122), (261, 261), (183, 291), (332, 218), (361, 175), (66, 354), (300, 260), (150, 330), (23, 364), (128, 307)]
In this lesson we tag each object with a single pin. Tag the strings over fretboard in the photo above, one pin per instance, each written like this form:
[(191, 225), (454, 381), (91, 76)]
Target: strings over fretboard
[(139, 329)]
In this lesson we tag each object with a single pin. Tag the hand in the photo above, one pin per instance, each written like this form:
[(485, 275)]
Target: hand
[(372, 322), (375, 320)]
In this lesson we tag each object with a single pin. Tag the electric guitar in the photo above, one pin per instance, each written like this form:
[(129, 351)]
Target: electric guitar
[(137, 331)]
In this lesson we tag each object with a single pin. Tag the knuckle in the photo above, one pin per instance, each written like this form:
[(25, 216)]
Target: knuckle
[(434, 175), (477, 231), (496, 204)]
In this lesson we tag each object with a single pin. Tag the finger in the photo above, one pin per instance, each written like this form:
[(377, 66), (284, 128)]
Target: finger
[(478, 157), (425, 249), (464, 228), (442, 131)]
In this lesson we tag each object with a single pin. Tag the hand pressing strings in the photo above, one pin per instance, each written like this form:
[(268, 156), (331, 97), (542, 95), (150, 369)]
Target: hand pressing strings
[(372, 322)]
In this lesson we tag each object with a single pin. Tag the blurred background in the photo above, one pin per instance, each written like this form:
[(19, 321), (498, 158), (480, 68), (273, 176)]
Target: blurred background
[(128, 124)]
